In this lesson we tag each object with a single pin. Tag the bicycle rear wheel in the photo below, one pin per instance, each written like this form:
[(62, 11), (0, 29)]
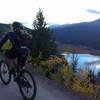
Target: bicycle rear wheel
[(5, 72), (27, 85)]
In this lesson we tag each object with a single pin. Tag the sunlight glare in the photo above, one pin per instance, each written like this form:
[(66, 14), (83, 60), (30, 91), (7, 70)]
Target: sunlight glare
[(98, 66)]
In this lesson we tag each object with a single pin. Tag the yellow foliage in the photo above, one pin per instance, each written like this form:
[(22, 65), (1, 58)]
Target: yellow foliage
[(7, 45), (64, 71), (64, 74), (51, 61)]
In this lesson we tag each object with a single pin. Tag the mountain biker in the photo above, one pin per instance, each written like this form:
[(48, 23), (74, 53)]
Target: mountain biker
[(19, 41)]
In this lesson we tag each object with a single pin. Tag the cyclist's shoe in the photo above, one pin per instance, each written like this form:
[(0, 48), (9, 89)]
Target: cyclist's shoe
[(23, 68), (12, 70), (16, 77)]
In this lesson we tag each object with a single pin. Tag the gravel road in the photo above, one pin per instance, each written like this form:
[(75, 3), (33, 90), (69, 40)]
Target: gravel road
[(46, 90)]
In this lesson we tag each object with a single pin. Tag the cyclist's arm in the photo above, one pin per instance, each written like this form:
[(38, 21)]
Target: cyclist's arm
[(3, 39)]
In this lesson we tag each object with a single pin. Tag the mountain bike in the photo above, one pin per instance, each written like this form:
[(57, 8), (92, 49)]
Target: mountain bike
[(22, 77)]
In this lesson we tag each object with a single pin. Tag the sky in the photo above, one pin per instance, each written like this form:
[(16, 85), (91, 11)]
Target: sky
[(54, 11)]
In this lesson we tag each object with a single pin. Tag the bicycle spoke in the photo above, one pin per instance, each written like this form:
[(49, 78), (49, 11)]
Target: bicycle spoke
[(4, 72), (27, 86)]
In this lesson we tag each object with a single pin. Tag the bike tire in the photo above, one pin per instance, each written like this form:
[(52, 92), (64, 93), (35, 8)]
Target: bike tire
[(22, 75), (3, 65)]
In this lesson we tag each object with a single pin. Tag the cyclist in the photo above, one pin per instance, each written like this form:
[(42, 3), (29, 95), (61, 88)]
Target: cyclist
[(19, 41)]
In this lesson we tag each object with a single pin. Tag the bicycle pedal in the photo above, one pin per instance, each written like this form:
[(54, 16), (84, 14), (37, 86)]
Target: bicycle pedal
[(16, 77)]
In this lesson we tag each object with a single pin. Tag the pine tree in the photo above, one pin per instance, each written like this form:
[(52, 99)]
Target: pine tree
[(42, 37)]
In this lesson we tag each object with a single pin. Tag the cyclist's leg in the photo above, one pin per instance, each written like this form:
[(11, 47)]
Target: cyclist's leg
[(22, 57), (9, 55)]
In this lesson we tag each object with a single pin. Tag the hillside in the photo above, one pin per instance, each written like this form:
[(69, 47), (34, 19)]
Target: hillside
[(86, 34), (80, 34), (4, 28)]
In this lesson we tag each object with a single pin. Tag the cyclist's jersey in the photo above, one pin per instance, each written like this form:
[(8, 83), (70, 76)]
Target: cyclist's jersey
[(17, 40)]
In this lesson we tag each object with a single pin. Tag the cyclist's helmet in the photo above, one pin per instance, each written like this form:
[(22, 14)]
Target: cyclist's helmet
[(17, 25)]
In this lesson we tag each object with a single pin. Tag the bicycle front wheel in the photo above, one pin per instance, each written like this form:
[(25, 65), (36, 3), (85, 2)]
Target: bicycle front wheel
[(27, 85), (5, 72)]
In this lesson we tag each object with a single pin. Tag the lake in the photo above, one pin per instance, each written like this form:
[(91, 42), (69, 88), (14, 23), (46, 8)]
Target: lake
[(84, 60)]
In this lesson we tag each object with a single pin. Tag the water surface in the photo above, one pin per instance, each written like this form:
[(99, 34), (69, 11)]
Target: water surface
[(85, 59)]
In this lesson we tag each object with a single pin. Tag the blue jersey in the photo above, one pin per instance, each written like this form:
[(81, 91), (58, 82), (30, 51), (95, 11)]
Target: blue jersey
[(17, 40)]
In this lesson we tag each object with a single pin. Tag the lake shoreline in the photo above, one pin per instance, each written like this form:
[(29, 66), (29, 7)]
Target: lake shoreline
[(78, 49)]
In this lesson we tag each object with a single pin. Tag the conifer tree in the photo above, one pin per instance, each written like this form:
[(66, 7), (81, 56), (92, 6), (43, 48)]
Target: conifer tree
[(42, 37)]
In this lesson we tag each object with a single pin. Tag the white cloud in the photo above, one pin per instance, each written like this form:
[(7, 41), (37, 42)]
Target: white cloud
[(55, 11), (68, 11), (16, 10)]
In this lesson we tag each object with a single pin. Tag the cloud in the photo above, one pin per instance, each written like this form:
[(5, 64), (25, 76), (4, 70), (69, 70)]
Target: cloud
[(93, 11)]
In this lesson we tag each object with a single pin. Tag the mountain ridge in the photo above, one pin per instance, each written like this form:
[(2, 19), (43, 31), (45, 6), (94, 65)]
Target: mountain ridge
[(82, 34), (86, 34)]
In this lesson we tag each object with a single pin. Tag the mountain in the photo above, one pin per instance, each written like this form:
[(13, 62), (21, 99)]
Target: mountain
[(4, 28), (85, 34), (79, 34)]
